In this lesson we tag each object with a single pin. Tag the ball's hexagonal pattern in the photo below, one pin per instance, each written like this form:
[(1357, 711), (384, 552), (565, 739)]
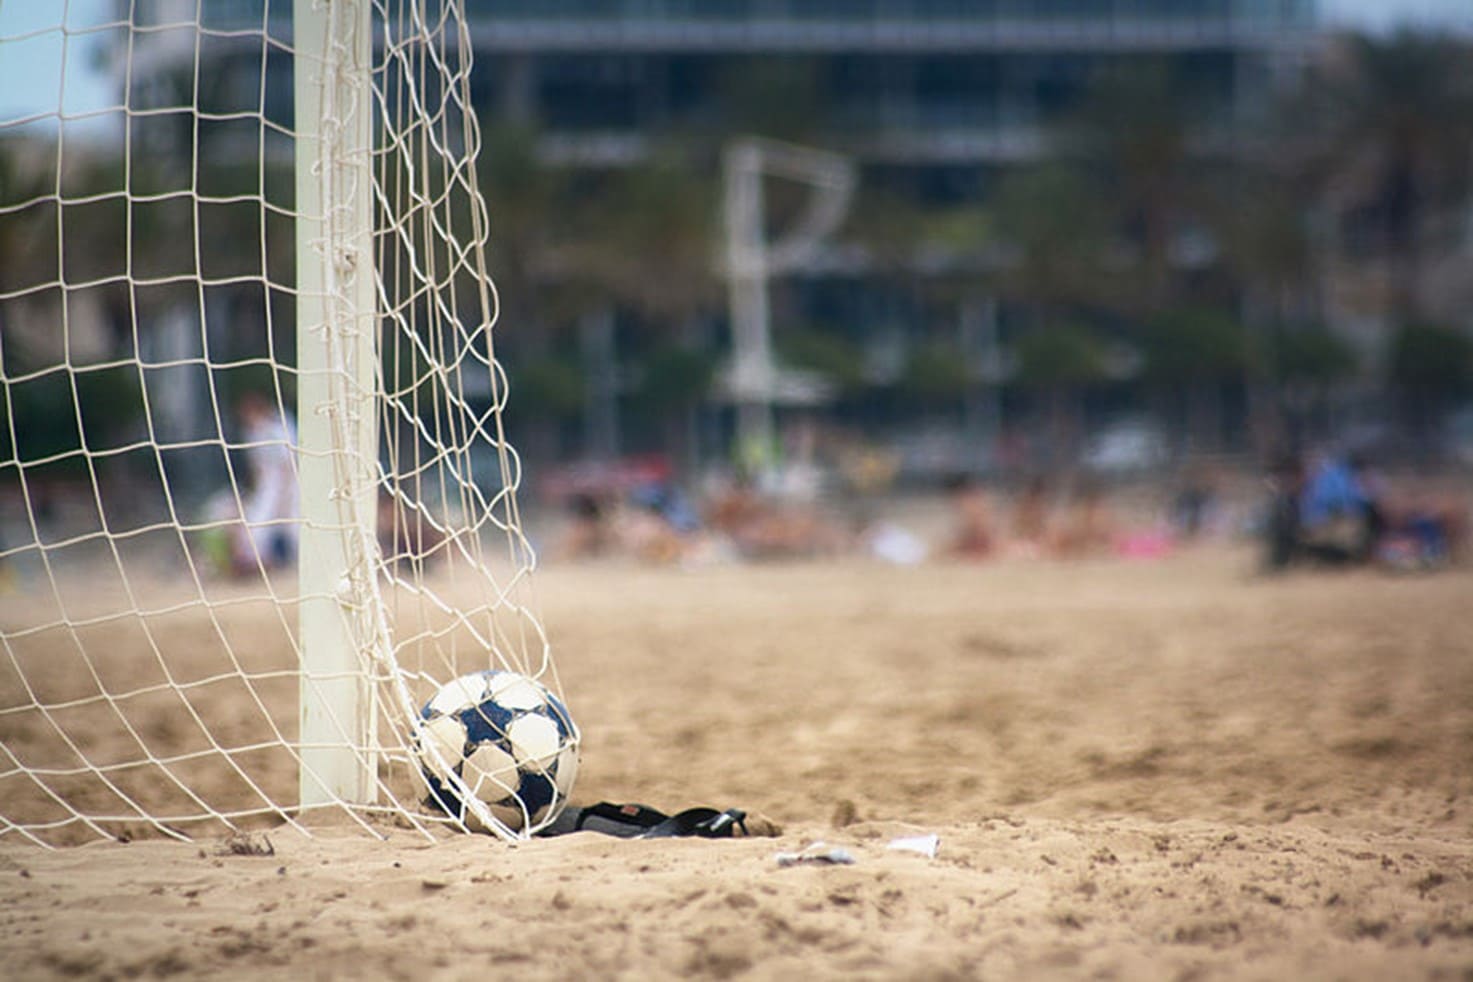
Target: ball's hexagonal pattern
[(509, 741)]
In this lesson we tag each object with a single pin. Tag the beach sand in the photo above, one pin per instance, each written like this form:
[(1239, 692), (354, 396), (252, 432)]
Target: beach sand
[(1170, 769)]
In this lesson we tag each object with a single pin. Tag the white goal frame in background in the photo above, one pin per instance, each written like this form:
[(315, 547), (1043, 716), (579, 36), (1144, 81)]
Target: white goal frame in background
[(143, 691)]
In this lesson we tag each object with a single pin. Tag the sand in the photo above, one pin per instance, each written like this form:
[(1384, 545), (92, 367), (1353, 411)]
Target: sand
[(1136, 770)]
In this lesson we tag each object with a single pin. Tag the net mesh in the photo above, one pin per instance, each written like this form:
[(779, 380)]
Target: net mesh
[(151, 228)]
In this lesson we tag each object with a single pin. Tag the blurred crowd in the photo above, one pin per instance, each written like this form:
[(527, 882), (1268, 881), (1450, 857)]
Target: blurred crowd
[(1339, 510), (1328, 509)]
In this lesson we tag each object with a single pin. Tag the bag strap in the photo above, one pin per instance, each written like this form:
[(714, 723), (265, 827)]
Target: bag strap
[(634, 821), (704, 823)]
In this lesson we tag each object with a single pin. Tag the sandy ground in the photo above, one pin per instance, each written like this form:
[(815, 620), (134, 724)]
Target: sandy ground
[(1156, 770)]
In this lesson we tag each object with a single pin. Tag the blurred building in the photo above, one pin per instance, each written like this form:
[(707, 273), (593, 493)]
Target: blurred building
[(939, 85), (936, 99)]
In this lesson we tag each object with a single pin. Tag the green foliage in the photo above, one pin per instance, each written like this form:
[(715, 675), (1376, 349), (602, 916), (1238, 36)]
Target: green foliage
[(778, 96), (1193, 345), (1392, 135), (1311, 354), (959, 230), (1431, 360), (510, 173), (836, 358), (550, 386), (936, 371), (528, 203), (46, 411), (673, 377), (1264, 225), (1053, 218), (1135, 121), (1135, 131), (645, 239), (1060, 355)]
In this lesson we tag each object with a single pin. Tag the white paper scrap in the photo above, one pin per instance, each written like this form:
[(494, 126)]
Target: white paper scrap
[(926, 845), (817, 853)]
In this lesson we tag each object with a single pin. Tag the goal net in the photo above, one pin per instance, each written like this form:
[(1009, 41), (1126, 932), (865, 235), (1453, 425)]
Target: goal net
[(256, 498)]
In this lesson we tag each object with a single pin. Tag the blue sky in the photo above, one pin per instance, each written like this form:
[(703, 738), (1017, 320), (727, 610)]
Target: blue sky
[(31, 75), (1389, 14)]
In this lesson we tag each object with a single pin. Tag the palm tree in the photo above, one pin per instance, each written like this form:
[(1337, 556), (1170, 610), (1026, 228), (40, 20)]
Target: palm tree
[(641, 242), (1266, 224), (1059, 359), (1430, 367), (1190, 355), (528, 204), (644, 240), (1133, 129), (1395, 124), (1053, 230)]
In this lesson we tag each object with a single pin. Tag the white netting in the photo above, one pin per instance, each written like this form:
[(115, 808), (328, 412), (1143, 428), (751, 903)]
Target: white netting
[(162, 229)]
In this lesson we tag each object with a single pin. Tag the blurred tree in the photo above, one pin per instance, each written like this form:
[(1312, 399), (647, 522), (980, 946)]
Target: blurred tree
[(673, 377), (642, 242), (1311, 354), (68, 405), (937, 373), (1266, 224), (1394, 124), (1134, 131), (1052, 231), (893, 229), (784, 97), (1188, 345), (1306, 361), (550, 393), (1190, 354), (27, 231), (527, 202), (838, 359), (1429, 367), (672, 380), (1059, 360)]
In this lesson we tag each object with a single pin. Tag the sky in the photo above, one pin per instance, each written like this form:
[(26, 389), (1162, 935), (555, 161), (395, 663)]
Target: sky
[(31, 74), (1383, 15)]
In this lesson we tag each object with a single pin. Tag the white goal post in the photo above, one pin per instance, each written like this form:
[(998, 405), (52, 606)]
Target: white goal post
[(751, 259), (335, 393), (256, 496)]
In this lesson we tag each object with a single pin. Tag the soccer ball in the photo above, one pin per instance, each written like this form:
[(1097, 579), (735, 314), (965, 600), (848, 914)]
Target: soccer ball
[(511, 743)]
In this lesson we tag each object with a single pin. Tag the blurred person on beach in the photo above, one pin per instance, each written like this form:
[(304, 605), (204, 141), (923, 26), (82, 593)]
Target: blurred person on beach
[(1342, 513), (1333, 513), (868, 472), (1285, 484), (645, 533), (659, 525), (1195, 507), (1424, 531), (269, 535), (1032, 532), (1088, 528), (589, 533), (759, 526), (974, 534)]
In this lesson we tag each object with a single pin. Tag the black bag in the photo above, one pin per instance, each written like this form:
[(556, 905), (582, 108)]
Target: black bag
[(644, 822)]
